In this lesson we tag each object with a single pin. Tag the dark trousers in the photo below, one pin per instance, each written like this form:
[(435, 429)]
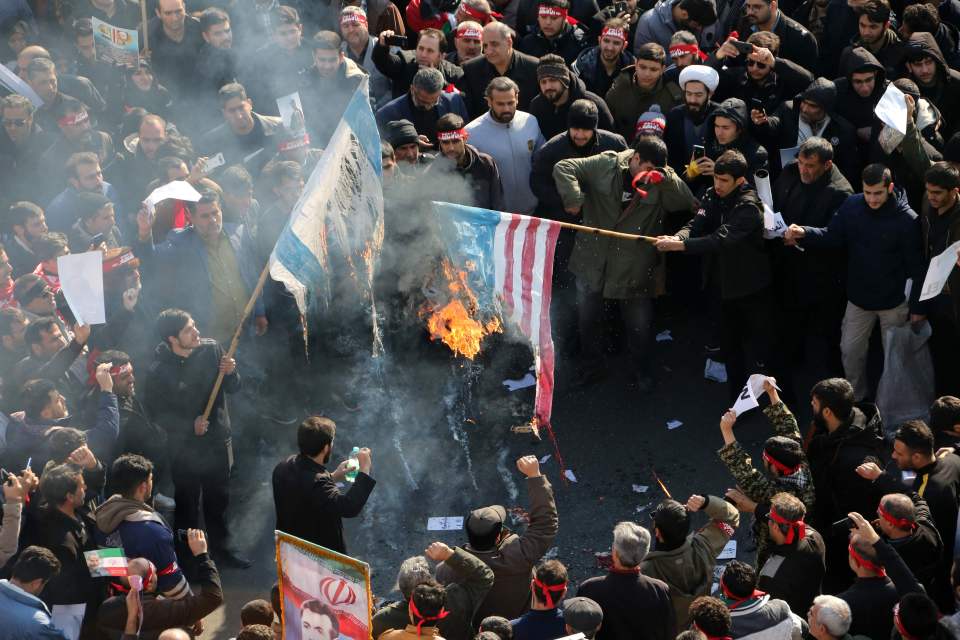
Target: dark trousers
[(808, 334), (563, 303), (637, 315), (202, 475), (945, 351), (746, 336)]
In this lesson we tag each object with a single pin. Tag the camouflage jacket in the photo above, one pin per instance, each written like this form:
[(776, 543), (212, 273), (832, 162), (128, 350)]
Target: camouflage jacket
[(760, 487)]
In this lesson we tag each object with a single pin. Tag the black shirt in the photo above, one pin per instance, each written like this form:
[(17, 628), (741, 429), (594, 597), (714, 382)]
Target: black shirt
[(173, 62)]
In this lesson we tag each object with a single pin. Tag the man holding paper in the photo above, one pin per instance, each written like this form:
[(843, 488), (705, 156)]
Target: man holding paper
[(940, 225)]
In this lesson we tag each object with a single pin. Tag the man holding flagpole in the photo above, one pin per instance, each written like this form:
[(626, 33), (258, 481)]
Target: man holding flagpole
[(626, 191)]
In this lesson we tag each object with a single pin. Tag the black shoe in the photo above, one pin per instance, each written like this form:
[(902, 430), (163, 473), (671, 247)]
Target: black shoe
[(232, 559)]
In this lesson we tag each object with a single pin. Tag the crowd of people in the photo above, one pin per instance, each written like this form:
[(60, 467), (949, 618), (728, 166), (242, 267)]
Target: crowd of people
[(696, 124)]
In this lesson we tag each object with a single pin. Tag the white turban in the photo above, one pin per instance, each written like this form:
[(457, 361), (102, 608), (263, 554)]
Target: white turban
[(700, 73)]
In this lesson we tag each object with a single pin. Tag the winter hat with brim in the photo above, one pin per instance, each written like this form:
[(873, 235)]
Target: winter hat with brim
[(401, 132), (583, 114)]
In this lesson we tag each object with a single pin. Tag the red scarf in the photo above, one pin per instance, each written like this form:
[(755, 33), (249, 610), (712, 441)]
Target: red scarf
[(422, 618)]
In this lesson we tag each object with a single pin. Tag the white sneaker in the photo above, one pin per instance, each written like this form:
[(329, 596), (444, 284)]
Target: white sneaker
[(163, 503)]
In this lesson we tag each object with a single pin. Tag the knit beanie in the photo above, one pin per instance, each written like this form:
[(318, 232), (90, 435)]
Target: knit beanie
[(583, 114), (553, 66), (651, 122), (401, 132)]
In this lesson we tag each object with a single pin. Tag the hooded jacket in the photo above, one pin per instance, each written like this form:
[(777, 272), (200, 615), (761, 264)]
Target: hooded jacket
[(859, 111), (627, 101), (945, 91), (590, 69), (889, 52), (620, 269), (553, 119), (735, 109), (765, 618), (883, 250), (142, 533), (688, 569), (567, 44)]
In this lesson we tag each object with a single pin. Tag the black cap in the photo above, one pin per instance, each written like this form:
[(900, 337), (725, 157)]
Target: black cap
[(583, 114), (401, 132), (583, 615), (486, 520)]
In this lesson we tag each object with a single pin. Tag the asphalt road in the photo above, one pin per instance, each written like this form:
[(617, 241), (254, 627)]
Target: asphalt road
[(439, 430)]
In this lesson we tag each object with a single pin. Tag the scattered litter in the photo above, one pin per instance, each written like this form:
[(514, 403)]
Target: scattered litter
[(642, 508), (664, 336), (470, 421), (544, 459), (570, 476), (729, 551), (716, 371), (640, 488), (526, 381), (552, 552), (673, 424), (264, 484), (445, 523), (519, 515), (604, 559)]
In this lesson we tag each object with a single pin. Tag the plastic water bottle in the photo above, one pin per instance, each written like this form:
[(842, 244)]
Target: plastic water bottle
[(353, 465)]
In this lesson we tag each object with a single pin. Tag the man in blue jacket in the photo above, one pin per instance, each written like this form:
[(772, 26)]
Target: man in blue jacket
[(424, 104), (23, 614), (881, 234)]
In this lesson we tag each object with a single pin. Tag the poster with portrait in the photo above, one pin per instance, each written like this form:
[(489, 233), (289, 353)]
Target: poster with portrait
[(115, 44), (325, 595)]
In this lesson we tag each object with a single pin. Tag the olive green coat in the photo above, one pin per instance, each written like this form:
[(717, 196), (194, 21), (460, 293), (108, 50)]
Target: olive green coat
[(621, 269)]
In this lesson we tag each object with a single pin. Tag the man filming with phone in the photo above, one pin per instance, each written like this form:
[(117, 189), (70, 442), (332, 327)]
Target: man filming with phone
[(400, 66)]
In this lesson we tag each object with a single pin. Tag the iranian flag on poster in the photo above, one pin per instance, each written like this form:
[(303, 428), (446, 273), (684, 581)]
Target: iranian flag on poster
[(316, 582), (106, 562)]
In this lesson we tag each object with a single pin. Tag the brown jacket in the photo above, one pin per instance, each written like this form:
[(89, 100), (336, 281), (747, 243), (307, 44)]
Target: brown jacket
[(513, 559)]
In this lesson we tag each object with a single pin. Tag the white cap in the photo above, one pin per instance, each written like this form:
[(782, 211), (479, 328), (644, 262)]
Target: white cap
[(700, 73)]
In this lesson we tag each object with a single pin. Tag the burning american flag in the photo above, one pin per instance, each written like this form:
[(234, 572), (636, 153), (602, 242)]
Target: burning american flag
[(504, 263)]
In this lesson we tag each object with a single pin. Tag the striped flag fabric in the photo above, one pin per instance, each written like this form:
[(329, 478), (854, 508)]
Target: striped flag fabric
[(106, 562), (508, 258)]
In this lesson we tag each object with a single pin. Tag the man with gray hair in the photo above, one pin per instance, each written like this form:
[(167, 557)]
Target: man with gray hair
[(829, 619), (510, 137), (471, 580), (424, 104), (499, 59), (634, 605)]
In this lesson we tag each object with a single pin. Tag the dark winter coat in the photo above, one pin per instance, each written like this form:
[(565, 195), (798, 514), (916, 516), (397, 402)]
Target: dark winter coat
[(483, 187), (591, 70), (796, 43), (731, 227), (932, 246), (310, 506), (945, 91), (634, 606), (682, 133), (883, 250), (785, 81), (859, 111), (890, 53), (567, 44), (553, 119), (425, 121), (400, 67), (478, 73), (628, 102), (68, 538), (793, 572), (756, 155)]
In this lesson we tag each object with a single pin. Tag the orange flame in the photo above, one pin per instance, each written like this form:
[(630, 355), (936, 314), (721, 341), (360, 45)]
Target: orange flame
[(457, 322)]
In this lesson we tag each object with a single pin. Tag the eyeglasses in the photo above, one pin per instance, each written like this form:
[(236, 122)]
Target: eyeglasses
[(758, 65), (19, 123)]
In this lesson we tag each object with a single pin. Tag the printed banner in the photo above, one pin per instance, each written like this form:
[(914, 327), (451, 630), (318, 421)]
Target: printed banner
[(106, 562), (324, 595), (115, 44)]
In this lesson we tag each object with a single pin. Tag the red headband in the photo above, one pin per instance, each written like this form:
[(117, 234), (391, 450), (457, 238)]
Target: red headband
[(901, 523), (352, 17), (779, 465), (469, 32), (867, 564), (795, 525), (906, 635), (686, 49), (708, 636), (73, 119), (614, 32), (479, 16), (547, 588), (738, 601), (114, 371), (549, 11), (295, 143), (422, 618), (456, 134)]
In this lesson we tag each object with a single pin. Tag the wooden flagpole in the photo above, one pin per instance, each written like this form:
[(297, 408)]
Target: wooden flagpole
[(236, 336), (605, 232)]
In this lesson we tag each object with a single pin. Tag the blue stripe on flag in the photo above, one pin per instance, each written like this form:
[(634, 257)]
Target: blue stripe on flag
[(468, 232), (299, 260), (363, 125)]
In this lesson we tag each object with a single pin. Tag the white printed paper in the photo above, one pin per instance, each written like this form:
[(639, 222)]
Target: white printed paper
[(939, 270), (570, 476), (291, 112), (176, 190), (752, 390), (729, 551), (445, 523), (115, 44), (774, 226), (673, 424), (664, 336), (523, 383), (892, 109), (640, 488), (543, 460), (68, 618), (788, 155), (81, 278)]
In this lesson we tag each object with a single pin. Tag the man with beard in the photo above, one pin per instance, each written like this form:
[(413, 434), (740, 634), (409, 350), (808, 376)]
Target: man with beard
[(499, 59), (77, 135), (327, 86), (810, 296), (796, 43), (558, 90), (216, 65), (401, 66), (863, 82), (638, 87), (478, 179), (938, 83), (26, 225), (41, 75), (358, 46), (510, 137), (923, 17), (175, 39), (279, 65), (467, 42), (581, 139), (877, 37), (687, 122), (22, 143), (811, 114), (598, 66), (424, 104), (137, 168), (658, 24), (85, 176), (763, 76), (554, 35), (308, 503), (403, 137)]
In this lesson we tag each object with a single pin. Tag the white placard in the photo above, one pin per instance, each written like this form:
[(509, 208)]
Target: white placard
[(752, 390), (176, 190), (81, 278), (892, 109), (729, 551), (788, 155), (291, 112), (674, 424), (939, 270), (68, 618), (445, 523)]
